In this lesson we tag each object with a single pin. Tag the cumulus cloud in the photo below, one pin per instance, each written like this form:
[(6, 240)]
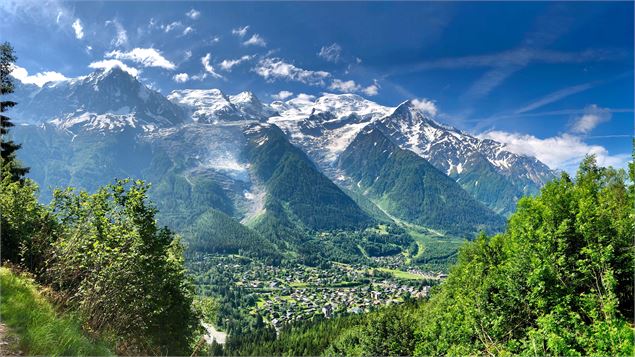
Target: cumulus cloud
[(282, 95), (564, 152), (79, 29), (227, 64), (241, 31), (425, 106), (272, 69), (303, 97), (344, 86), (593, 115), (181, 77), (207, 65), (193, 14), (121, 37), (331, 53), (255, 40), (39, 79), (372, 89), (148, 57), (110, 63)]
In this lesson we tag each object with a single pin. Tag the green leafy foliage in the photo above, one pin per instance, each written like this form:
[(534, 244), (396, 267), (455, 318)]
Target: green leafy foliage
[(558, 281), (123, 273)]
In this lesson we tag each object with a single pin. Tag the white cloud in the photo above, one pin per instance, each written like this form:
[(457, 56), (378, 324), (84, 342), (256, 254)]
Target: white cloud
[(227, 65), (79, 29), (241, 31), (275, 68), (206, 61), (181, 77), (110, 63), (344, 86), (39, 79), (187, 55), (564, 152), (172, 26), (121, 38), (255, 40), (331, 53), (188, 30), (148, 57), (303, 97), (282, 95), (193, 14), (555, 96), (425, 106), (372, 89), (593, 115)]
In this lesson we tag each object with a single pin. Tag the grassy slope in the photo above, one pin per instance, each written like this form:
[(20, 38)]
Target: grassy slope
[(41, 331)]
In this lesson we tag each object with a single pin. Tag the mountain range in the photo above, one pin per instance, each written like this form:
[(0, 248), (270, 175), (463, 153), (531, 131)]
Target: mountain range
[(277, 173)]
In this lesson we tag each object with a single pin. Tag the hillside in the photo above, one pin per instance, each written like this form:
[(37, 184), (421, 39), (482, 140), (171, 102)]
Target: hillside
[(300, 193), (409, 188), (39, 328)]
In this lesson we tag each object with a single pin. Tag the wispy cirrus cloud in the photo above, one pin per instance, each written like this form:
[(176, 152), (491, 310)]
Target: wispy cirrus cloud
[(206, 61), (255, 40), (121, 35), (592, 117), (331, 53), (240, 31), (555, 96), (229, 64)]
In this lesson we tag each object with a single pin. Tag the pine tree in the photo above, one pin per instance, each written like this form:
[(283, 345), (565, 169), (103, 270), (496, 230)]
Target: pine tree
[(7, 146)]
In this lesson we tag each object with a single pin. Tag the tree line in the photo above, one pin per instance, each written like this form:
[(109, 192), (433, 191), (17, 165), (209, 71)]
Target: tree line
[(102, 254)]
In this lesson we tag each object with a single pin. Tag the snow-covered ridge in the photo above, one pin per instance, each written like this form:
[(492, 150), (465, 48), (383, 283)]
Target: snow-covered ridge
[(104, 100), (212, 105), (324, 127)]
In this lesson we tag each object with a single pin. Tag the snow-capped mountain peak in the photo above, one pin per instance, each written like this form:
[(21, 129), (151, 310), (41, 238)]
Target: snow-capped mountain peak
[(212, 105), (106, 99)]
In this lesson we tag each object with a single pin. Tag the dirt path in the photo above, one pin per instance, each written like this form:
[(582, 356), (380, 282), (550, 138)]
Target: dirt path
[(8, 343)]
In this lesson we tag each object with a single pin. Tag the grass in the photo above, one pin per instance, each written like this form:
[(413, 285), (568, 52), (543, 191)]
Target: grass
[(402, 274), (39, 328)]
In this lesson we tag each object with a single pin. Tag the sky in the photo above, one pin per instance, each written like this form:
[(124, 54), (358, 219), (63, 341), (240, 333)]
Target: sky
[(552, 80)]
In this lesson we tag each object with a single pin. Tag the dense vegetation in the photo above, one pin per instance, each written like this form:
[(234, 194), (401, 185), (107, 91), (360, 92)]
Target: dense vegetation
[(410, 188), (102, 254), (296, 187), (558, 281), (41, 329)]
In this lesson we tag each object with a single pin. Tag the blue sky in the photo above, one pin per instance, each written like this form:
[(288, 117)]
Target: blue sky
[(554, 80)]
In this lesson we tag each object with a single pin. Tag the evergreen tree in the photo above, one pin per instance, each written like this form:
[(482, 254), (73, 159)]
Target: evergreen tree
[(7, 146)]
